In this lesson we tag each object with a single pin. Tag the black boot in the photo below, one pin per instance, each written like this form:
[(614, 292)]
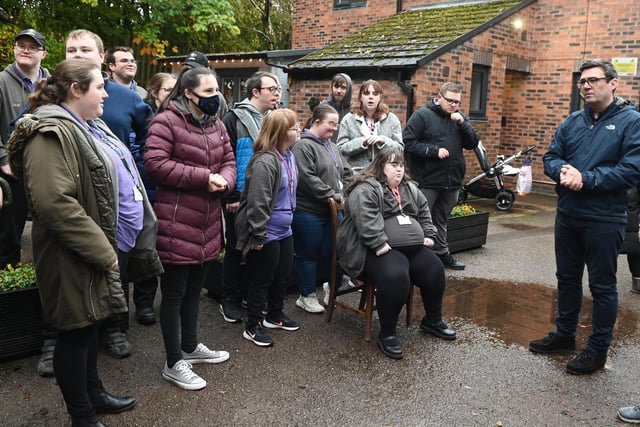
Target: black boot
[(90, 421), (103, 402)]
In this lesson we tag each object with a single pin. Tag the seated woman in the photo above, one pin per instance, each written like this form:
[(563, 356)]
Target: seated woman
[(369, 128), (386, 235)]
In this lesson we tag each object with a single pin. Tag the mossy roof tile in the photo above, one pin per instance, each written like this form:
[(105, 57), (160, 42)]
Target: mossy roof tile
[(406, 38)]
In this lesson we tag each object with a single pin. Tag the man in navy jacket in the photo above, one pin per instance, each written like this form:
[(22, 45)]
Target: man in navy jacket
[(594, 158)]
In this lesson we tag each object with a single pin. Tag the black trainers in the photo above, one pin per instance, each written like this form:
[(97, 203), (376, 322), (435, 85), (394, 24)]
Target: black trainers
[(587, 362), (438, 329), (115, 343), (450, 262), (553, 344), (257, 336), (230, 311), (284, 323)]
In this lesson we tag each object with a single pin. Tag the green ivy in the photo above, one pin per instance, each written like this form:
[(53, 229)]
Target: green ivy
[(18, 277)]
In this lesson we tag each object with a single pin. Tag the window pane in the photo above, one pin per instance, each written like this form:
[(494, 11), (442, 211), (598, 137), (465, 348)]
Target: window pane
[(478, 97)]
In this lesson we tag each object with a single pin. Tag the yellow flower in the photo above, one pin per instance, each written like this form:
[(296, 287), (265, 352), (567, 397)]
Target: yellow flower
[(463, 210)]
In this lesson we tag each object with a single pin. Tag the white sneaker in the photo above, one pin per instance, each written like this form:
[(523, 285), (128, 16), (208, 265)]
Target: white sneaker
[(346, 282), (325, 288), (203, 355), (182, 376), (310, 303)]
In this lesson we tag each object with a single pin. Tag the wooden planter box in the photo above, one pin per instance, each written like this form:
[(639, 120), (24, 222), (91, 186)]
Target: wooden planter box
[(467, 232), (20, 323)]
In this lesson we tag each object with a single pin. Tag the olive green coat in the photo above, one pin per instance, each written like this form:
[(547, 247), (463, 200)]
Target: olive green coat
[(70, 195)]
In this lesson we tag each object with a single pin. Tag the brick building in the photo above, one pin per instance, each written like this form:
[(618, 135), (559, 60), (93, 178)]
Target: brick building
[(518, 60)]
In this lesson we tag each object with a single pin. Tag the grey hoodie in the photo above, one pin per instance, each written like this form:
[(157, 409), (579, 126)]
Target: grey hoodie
[(344, 107), (13, 96)]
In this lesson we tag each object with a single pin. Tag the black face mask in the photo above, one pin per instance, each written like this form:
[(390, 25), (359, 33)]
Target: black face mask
[(208, 105)]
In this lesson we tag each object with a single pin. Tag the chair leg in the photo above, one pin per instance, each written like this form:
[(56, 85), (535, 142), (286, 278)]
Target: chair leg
[(368, 294), (332, 301), (409, 307)]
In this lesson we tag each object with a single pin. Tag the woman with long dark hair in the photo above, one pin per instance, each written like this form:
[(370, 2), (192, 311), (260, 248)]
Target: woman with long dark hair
[(386, 235), (189, 157)]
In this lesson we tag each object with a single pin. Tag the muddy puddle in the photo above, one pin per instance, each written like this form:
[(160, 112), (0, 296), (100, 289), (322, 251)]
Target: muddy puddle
[(517, 313)]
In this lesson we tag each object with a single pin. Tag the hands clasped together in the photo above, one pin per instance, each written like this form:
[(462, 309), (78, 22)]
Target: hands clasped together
[(571, 178)]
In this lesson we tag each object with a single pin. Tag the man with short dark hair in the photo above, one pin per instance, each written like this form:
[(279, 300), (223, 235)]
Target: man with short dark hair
[(123, 67), (594, 158), (433, 140), (17, 81)]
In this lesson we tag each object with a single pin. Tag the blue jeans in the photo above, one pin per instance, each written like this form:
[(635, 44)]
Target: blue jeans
[(596, 244), (311, 240)]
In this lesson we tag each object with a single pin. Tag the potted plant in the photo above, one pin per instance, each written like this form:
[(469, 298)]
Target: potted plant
[(466, 228), (20, 312)]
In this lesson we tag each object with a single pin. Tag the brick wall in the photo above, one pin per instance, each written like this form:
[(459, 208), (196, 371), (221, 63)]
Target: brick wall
[(523, 108)]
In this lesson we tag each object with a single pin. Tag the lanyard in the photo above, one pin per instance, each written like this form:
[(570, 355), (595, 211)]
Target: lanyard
[(398, 197), (371, 124), (99, 135), (290, 169)]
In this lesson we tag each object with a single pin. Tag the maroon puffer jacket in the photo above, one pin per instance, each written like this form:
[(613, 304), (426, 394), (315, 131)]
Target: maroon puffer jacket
[(180, 154)]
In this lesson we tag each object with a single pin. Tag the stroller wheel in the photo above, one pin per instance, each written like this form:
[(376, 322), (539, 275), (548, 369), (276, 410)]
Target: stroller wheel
[(504, 200), (462, 195)]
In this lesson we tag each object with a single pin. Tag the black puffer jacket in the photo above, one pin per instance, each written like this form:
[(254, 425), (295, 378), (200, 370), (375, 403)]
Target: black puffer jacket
[(428, 130)]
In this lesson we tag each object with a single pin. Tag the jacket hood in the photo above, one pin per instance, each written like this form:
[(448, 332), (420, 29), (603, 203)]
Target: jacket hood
[(26, 128), (346, 102), (249, 116), (245, 107), (437, 109)]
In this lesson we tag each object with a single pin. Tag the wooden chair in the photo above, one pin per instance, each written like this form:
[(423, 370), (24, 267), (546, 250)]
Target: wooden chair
[(366, 306)]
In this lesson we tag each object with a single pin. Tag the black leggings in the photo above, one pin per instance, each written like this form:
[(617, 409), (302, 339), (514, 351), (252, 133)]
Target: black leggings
[(269, 271), (75, 362), (394, 272)]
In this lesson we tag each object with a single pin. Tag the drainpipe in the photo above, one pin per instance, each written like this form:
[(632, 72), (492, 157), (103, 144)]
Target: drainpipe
[(408, 89), (398, 6)]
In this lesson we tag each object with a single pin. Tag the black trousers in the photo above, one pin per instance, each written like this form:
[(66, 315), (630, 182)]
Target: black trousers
[(181, 286), (12, 220), (75, 362), (234, 285), (268, 273)]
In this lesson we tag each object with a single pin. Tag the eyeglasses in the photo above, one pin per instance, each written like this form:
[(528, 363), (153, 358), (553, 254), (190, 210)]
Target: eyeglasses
[(452, 102), (128, 61), (273, 89), (25, 48), (333, 124), (295, 129), (591, 80)]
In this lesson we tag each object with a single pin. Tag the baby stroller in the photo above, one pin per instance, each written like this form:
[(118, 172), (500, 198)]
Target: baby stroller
[(489, 184)]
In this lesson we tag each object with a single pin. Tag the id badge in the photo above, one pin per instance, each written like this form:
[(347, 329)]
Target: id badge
[(137, 194), (404, 220)]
